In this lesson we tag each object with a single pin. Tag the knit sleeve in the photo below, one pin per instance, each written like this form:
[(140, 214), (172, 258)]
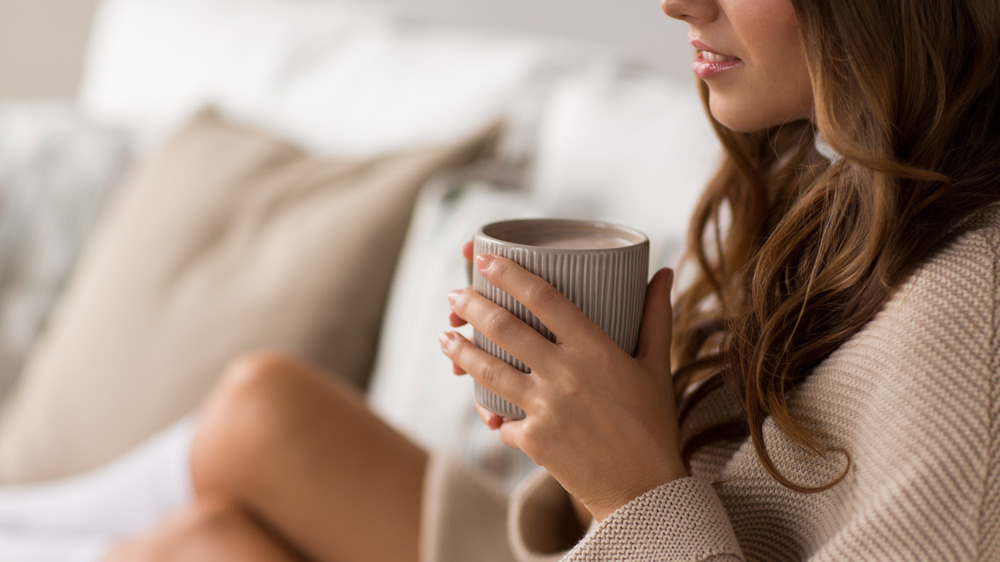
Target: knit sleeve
[(682, 520), (989, 512)]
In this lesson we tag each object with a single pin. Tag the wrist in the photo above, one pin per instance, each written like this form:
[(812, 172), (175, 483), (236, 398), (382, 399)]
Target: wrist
[(639, 487)]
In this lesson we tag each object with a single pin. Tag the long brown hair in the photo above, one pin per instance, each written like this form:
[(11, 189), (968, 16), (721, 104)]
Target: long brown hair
[(794, 254)]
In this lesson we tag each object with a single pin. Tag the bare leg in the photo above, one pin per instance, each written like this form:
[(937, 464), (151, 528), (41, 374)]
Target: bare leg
[(207, 531), (302, 453), (290, 464)]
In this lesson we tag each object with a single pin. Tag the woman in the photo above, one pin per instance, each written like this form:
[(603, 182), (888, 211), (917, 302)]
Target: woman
[(836, 353)]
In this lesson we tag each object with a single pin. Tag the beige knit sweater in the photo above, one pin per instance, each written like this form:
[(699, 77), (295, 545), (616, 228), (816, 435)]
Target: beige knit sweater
[(914, 398)]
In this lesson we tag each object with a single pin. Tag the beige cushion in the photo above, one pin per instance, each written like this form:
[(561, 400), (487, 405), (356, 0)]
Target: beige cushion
[(227, 240)]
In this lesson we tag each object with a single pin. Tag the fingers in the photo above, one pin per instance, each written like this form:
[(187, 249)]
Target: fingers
[(491, 373), (501, 327), (456, 321), (468, 250), (493, 421), (653, 348), (554, 310)]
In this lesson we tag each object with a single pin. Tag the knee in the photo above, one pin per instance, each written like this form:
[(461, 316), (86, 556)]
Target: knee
[(250, 409), (256, 372), (257, 387), (252, 392)]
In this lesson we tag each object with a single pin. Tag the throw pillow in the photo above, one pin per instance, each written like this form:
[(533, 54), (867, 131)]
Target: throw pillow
[(226, 241)]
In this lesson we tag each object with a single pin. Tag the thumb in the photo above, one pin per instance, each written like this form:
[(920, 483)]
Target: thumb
[(655, 332)]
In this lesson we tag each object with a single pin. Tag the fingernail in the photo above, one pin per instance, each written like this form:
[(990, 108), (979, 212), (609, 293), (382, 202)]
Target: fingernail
[(445, 339), (483, 261), (453, 297)]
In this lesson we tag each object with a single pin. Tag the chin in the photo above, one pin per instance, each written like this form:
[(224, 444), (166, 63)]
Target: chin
[(736, 119), (745, 121), (753, 125), (741, 119)]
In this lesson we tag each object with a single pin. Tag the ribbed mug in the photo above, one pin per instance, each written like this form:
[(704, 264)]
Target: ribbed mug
[(601, 267)]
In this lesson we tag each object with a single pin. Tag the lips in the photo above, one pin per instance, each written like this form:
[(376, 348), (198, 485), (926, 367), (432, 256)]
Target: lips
[(709, 63)]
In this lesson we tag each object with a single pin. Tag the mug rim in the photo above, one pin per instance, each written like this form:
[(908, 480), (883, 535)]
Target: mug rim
[(633, 236)]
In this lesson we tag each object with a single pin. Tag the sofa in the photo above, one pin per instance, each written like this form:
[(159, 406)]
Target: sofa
[(244, 174)]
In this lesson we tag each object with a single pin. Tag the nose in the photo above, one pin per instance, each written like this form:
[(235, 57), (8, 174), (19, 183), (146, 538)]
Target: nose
[(691, 11)]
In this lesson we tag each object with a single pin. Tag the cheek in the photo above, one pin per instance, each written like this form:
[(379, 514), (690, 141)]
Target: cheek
[(794, 80), (769, 32), (774, 87), (777, 59), (789, 43), (787, 80)]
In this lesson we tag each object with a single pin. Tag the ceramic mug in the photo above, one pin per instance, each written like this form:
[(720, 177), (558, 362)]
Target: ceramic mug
[(602, 268)]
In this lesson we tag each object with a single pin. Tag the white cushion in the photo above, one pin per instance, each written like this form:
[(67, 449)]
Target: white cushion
[(336, 79), (412, 386), (626, 146)]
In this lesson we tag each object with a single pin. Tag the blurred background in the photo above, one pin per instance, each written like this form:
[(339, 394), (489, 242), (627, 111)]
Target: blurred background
[(42, 42), (174, 171), (41, 46)]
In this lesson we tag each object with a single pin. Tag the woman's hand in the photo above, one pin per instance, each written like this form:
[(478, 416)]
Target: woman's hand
[(602, 423)]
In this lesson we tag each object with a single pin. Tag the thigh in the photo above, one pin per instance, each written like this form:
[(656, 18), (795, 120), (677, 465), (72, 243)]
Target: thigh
[(206, 531), (303, 452)]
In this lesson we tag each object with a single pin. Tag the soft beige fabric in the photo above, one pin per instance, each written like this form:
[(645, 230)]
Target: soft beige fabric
[(226, 241), (915, 400), (468, 501)]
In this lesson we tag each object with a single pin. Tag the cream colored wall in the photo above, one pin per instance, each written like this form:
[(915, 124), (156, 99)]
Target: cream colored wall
[(41, 46), (42, 41)]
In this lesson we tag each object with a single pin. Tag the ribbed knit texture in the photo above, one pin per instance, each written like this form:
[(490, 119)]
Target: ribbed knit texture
[(914, 399)]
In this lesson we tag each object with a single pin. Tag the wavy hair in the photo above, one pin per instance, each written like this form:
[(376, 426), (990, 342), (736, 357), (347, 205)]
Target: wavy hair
[(794, 254)]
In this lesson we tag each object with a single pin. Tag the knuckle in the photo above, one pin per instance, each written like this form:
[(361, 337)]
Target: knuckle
[(462, 298), (530, 430), (509, 438), (533, 437), (458, 351), (541, 295), (491, 373), (569, 386), (500, 325)]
